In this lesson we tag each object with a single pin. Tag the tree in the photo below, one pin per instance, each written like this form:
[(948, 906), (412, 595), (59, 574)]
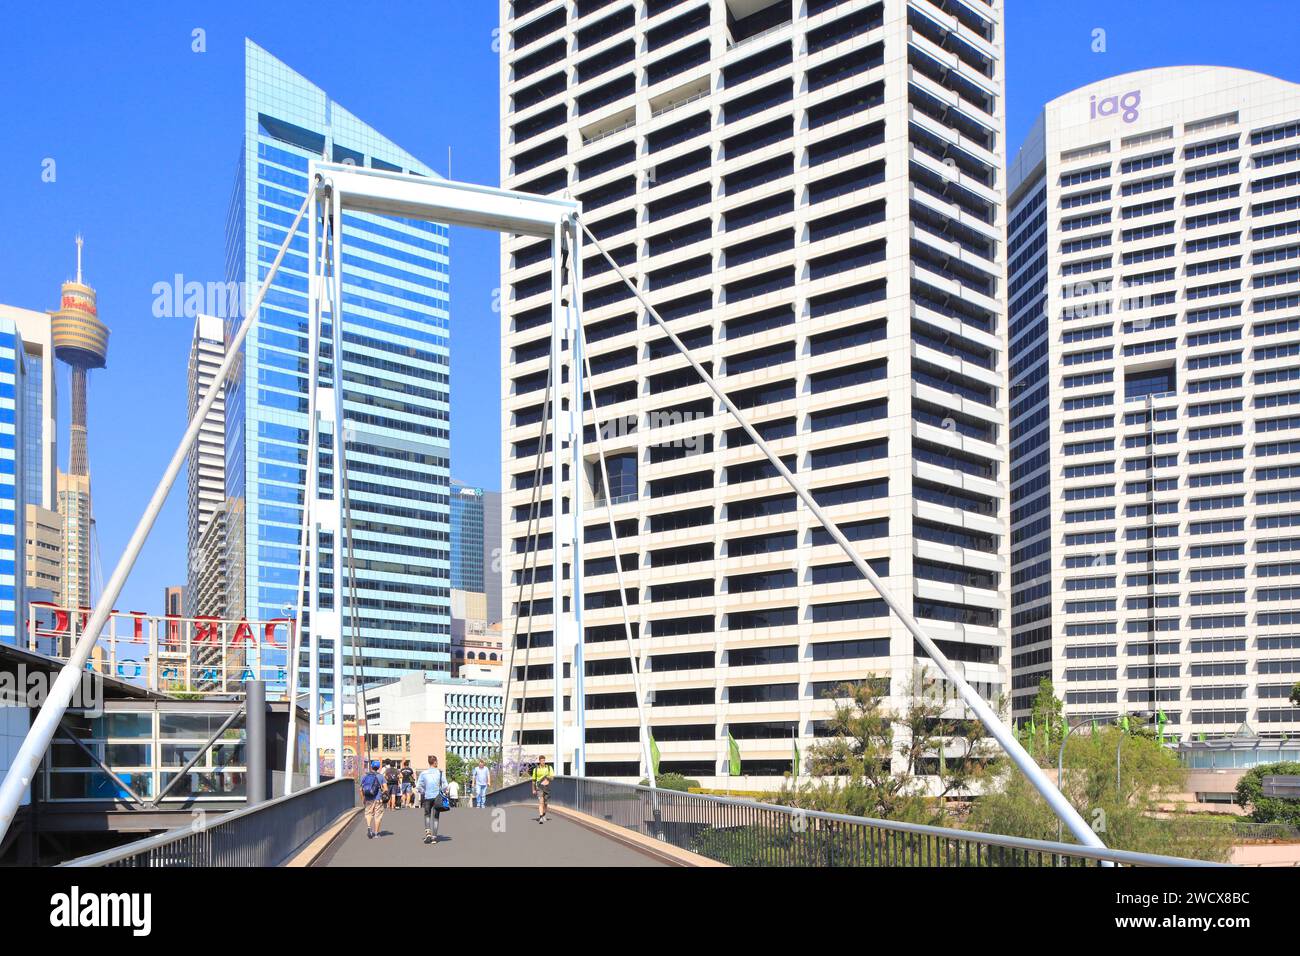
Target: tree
[(1295, 693), (457, 769), (1250, 795), (853, 766), (1123, 814), (1042, 735), (672, 781)]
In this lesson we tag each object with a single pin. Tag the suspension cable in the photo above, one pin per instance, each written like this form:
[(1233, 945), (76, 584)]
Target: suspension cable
[(307, 534), (1062, 807), (534, 526), (26, 761), (633, 660)]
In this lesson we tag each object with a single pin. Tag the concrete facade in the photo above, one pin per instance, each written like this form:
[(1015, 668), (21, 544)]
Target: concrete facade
[(1155, 387), (810, 192)]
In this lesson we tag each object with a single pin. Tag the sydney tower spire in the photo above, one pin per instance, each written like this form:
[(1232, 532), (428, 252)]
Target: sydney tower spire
[(81, 340)]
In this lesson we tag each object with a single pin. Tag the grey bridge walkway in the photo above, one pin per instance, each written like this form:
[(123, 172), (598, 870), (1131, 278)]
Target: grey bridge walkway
[(468, 838)]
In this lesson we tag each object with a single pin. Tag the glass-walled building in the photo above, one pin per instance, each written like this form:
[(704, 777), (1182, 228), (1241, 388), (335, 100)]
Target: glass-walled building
[(1154, 235), (395, 378), (12, 492)]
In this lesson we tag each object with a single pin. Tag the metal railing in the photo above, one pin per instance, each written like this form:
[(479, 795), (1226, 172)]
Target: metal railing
[(266, 834), (744, 833)]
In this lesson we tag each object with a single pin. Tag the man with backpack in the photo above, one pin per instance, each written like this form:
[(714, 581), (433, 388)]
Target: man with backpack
[(432, 787), (373, 796), (392, 784), (408, 784)]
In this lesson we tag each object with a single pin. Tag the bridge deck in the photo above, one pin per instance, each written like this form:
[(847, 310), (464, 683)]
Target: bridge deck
[(468, 837)]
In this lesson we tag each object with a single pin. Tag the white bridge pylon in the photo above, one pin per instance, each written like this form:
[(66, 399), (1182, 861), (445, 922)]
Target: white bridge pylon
[(334, 188)]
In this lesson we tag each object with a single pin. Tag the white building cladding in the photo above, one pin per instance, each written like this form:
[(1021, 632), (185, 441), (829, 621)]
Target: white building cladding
[(810, 193), (205, 592), (1154, 266)]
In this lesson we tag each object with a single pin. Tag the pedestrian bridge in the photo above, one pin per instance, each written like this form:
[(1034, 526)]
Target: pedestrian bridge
[(593, 823)]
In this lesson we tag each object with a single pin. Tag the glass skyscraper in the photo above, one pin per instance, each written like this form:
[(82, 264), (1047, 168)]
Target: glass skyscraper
[(395, 372), (12, 504), (467, 538)]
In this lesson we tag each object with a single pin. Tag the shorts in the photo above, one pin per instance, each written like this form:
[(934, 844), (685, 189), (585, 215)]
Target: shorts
[(406, 788)]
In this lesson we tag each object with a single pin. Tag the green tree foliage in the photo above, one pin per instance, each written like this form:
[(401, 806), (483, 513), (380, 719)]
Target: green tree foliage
[(853, 768), (1041, 735), (457, 769), (672, 781), (1295, 693), (1250, 795), (1123, 815)]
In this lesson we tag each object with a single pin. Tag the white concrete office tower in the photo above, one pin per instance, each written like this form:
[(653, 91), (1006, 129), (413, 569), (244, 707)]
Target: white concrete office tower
[(809, 191), (1154, 243), (205, 593)]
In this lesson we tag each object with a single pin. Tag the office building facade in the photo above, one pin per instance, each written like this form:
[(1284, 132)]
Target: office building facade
[(395, 376), (13, 495), (205, 592), (44, 528), (475, 558), (810, 193), (1154, 226)]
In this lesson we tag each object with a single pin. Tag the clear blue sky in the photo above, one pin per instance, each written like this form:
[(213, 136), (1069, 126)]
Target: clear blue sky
[(145, 133)]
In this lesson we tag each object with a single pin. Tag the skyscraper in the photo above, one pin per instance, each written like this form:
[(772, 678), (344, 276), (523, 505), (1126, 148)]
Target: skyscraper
[(811, 195), (395, 376), (1155, 400), (12, 490), (44, 532), (205, 593), (81, 340), (475, 573), (467, 538)]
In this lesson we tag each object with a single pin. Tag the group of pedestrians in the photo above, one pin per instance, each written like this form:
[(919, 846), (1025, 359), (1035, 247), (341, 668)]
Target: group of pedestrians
[(390, 786)]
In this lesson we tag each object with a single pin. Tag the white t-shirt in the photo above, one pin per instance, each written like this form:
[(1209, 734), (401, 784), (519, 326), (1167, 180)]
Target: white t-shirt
[(455, 790)]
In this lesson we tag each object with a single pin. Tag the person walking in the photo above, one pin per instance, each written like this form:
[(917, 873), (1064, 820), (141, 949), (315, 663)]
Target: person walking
[(431, 786), (453, 790), (542, 777), (408, 784), (482, 777), (373, 796), (392, 783)]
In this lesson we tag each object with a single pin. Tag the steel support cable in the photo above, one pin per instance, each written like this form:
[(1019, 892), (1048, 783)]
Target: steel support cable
[(988, 717), (635, 662), (308, 532), (340, 463), (358, 664), (534, 525), (27, 760)]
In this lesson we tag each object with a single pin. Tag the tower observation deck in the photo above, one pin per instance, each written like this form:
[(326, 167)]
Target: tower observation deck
[(80, 340)]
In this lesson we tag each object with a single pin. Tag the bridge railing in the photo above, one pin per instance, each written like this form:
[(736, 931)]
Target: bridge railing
[(266, 834), (745, 833)]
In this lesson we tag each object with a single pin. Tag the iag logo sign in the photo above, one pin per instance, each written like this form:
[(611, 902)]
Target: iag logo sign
[(1125, 104)]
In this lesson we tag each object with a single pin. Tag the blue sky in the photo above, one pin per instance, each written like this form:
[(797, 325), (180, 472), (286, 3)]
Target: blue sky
[(144, 134)]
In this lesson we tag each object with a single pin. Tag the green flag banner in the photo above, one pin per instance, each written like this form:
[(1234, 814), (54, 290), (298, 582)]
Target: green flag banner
[(654, 755), (734, 751), (794, 763)]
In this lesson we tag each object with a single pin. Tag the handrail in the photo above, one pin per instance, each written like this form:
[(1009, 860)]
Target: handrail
[(705, 812), (265, 834)]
